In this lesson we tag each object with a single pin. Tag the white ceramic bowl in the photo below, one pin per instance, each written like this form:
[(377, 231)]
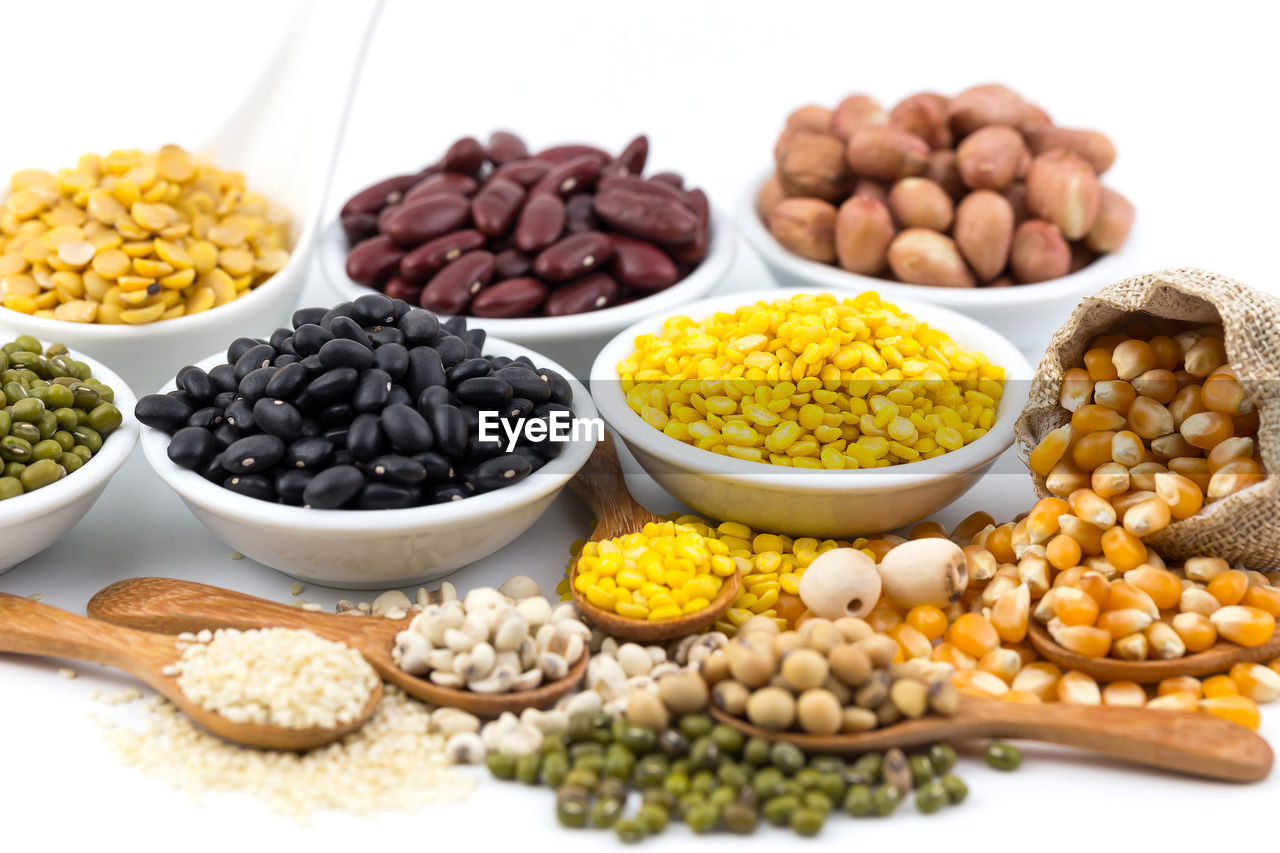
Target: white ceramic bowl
[(573, 340), (375, 549), (811, 502), (32, 522), (1028, 314)]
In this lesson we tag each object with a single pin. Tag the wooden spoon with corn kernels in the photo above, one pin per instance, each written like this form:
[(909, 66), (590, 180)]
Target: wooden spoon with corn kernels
[(601, 486), (30, 628)]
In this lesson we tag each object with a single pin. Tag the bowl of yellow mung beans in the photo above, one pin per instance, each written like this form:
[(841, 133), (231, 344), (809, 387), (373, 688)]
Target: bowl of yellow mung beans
[(147, 259), (819, 414)]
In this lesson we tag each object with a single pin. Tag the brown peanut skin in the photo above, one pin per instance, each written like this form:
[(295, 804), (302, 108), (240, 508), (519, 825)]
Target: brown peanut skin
[(466, 156), (1063, 188), (442, 182), (805, 226), (854, 113), (811, 118), (590, 293), (943, 169), (984, 232), (415, 223), (1111, 228), (886, 153), (641, 265), (496, 205), (920, 202), (513, 297), (984, 105), (649, 217), (1016, 195), (373, 261), (373, 198), (541, 223), (988, 158), (1039, 252), (864, 229), (420, 264), (921, 256), (573, 256), (451, 289), (504, 147), (578, 174), (924, 115), (1093, 147), (813, 164), (770, 193), (869, 188)]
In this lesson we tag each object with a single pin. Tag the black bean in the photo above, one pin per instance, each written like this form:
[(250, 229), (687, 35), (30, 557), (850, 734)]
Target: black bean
[(197, 384), (251, 486), (313, 364), (291, 485), (253, 387), (420, 327), (481, 448), (397, 469), (345, 327), (393, 358), (525, 382), (225, 434), (455, 325), (561, 391), (341, 352), (239, 415), (342, 309), (333, 487), (517, 409), (182, 396), (331, 416), (439, 469), (206, 418), (161, 411), (425, 370), (239, 347), (474, 337), (278, 337), (224, 377), (286, 358), (471, 416), (191, 447), (287, 382), (388, 496), (374, 309), (451, 349), (225, 398), (253, 453), (337, 435), (303, 316), (487, 391), (535, 461), (500, 471), (365, 438), (380, 336), (310, 429), (430, 398), (467, 369), (406, 429), (499, 362), (342, 456), (278, 418), (446, 494), (310, 453), (308, 339), (449, 429), (254, 358), (372, 390), (213, 471), (338, 384), (399, 397)]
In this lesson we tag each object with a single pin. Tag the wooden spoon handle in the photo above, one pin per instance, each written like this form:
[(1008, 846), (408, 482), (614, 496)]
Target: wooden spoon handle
[(601, 486), (1192, 743), (30, 628)]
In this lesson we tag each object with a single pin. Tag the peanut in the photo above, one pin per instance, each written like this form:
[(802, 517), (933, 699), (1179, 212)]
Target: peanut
[(988, 158), (886, 153), (863, 232), (921, 256), (1063, 188), (984, 225), (921, 202), (1039, 252), (805, 226)]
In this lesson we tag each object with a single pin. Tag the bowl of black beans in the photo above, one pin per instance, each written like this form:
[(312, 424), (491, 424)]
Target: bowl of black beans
[(371, 444)]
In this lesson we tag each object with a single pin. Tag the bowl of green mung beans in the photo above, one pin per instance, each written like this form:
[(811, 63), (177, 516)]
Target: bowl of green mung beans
[(66, 426)]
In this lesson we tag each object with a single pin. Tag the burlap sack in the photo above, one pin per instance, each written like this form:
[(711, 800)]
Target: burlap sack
[(1245, 526)]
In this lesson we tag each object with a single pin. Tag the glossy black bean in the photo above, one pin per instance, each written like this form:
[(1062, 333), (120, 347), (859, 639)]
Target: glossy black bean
[(388, 496), (393, 358), (342, 309), (239, 347), (305, 316), (310, 453), (467, 369), (287, 382), (207, 418), (430, 398), (484, 391), (286, 358), (313, 364), (420, 327), (499, 362), (337, 384), (561, 391), (535, 461), (365, 438), (342, 456), (308, 339), (239, 416), (380, 336), (291, 485), (197, 384), (424, 371), (287, 348), (525, 382), (406, 429), (343, 352), (278, 337), (338, 414), (182, 397), (333, 487), (225, 434), (471, 416), (475, 337), (278, 418), (500, 471), (373, 309), (439, 469), (310, 428), (399, 308), (254, 358), (372, 390), (396, 469), (213, 471), (455, 325), (253, 387), (251, 486), (446, 494), (224, 377), (191, 447), (253, 453), (449, 429), (452, 350), (224, 399), (163, 412), (348, 328), (481, 448)]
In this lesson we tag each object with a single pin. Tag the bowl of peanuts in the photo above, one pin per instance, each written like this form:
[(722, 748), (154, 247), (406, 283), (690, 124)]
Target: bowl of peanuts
[(148, 260), (826, 415)]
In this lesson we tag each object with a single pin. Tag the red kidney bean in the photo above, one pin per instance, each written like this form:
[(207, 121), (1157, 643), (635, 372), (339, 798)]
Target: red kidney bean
[(505, 146), (675, 179), (451, 289), (415, 223), (558, 154), (358, 226), (541, 223), (443, 182), (571, 176), (579, 215), (495, 207), (641, 265), (384, 215), (590, 293), (632, 159), (648, 216), (511, 263), (514, 297), (372, 261), (373, 198), (640, 185), (399, 287), (573, 256), (526, 173), (422, 263), (696, 249), (466, 156)]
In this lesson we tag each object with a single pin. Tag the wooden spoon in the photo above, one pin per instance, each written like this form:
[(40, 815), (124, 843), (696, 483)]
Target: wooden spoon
[(601, 486), (1195, 744), (172, 606), (30, 628), (1217, 658)]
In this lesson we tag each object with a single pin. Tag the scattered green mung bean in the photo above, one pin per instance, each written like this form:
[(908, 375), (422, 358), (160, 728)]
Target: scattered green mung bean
[(956, 789), (931, 796), (1003, 756)]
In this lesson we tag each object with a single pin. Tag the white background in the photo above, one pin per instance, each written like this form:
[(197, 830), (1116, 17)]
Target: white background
[(1185, 91)]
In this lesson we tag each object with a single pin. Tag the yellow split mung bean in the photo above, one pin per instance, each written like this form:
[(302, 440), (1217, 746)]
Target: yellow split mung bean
[(134, 237), (813, 381)]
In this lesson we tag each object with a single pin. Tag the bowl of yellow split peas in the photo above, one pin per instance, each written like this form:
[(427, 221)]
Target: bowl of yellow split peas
[(826, 415), (146, 259)]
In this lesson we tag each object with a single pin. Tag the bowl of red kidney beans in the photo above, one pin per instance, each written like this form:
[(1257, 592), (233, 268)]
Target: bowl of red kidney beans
[(558, 247)]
